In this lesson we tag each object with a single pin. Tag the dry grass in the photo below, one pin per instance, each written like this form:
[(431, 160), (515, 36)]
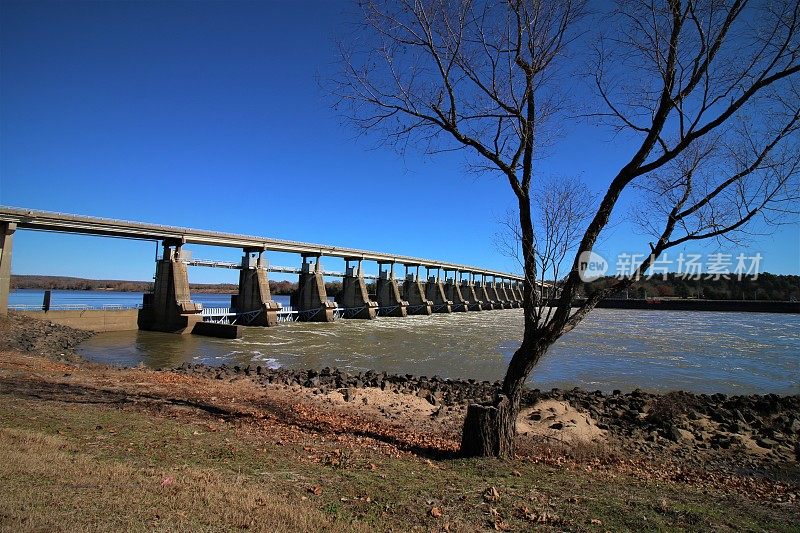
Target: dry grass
[(85, 448), (51, 486)]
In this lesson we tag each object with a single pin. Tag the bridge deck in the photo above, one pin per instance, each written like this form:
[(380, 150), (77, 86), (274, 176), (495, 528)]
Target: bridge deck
[(61, 222)]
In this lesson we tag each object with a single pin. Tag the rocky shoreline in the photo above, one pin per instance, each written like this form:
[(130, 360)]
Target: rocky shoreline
[(19, 332), (761, 427)]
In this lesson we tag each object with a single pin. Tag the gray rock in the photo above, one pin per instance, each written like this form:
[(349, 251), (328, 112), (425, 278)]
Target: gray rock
[(674, 433), (766, 443)]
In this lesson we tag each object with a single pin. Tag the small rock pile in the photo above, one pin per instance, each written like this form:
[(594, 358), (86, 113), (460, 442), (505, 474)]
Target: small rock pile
[(19, 332), (769, 423)]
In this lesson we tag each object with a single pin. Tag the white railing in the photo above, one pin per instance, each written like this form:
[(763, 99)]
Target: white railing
[(218, 311)]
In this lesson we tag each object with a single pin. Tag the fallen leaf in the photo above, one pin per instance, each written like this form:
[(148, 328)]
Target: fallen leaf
[(436, 512), (499, 525), (316, 490), (491, 495), (167, 481), (596, 522)]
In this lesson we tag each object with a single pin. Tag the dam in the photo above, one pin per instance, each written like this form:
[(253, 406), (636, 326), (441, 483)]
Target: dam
[(445, 288)]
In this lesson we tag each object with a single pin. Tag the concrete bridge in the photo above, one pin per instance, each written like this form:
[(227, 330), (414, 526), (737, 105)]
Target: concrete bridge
[(446, 288)]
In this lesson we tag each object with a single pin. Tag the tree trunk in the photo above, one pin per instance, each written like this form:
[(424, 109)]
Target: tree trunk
[(489, 429)]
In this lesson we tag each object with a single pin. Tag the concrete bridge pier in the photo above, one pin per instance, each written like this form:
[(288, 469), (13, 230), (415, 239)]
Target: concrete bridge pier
[(7, 230), (390, 302), (468, 292), (414, 293), (170, 307), (310, 299), (499, 294), (354, 297), (454, 293), (434, 291), (482, 290), (512, 296), (254, 296), (517, 290), (505, 295)]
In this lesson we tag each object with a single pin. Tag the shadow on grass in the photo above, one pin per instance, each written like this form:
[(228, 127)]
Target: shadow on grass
[(82, 394)]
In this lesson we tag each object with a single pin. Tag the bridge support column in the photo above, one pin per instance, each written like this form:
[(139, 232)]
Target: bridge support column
[(390, 303), (502, 293), (468, 292), (254, 296), (170, 307), (7, 230), (311, 299), (514, 288), (520, 294), (414, 292), (512, 297), (354, 297), (454, 294), (491, 289), (482, 290), (434, 291)]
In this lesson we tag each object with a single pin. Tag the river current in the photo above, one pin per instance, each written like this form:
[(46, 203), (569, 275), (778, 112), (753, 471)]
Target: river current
[(734, 353)]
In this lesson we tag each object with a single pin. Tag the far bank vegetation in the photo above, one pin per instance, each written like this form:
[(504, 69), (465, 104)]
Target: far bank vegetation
[(774, 287)]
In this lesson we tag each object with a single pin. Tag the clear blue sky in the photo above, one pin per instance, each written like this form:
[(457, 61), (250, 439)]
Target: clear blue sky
[(209, 115)]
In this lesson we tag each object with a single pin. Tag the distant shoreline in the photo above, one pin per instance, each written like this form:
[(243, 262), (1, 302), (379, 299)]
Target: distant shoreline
[(194, 290), (66, 283), (285, 288), (740, 306)]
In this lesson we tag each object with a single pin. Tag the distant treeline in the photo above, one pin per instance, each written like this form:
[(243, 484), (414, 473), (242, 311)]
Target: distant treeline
[(764, 287), (64, 283)]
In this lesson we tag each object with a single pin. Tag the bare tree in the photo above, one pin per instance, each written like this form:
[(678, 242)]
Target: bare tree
[(706, 92), (560, 209)]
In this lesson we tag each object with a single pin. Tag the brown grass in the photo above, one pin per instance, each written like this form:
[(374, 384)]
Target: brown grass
[(51, 486), (87, 448)]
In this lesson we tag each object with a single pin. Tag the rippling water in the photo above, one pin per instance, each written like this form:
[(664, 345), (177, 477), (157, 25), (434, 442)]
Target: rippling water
[(612, 349)]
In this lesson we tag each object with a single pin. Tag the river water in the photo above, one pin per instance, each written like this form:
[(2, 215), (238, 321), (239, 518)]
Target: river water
[(734, 353)]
